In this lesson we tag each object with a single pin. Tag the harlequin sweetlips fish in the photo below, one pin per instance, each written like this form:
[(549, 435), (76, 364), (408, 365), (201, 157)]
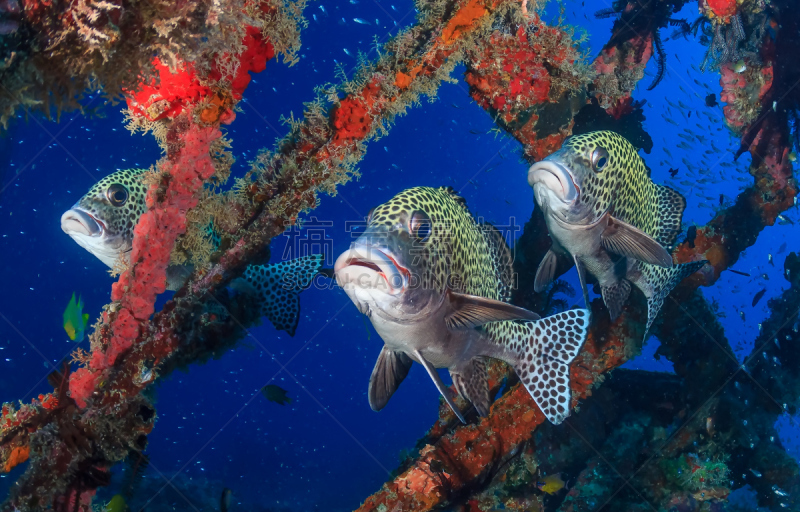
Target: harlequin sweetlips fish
[(436, 284), (605, 213), (102, 222)]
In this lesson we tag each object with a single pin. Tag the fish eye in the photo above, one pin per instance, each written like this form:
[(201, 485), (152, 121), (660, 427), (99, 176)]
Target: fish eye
[(117, 194), (420, 226), (599, 159)]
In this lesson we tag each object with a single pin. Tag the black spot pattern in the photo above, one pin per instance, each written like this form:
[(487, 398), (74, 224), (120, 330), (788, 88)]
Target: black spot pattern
[(544, 365), (474, 385), (662, 281), (278, 286), (457, 255), (623, 187), (502, 260), (478, 255), (119, 220)]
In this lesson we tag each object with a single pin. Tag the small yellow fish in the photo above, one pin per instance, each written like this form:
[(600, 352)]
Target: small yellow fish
[(75, 319), (551, 484), (117, 504), (740, 66)]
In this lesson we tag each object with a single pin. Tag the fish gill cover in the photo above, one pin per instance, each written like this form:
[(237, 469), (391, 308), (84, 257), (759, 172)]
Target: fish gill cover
[(689, 438)]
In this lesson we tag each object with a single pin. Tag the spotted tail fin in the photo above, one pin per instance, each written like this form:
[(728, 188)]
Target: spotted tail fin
[(277, 288), (550, 345), (662, 281)]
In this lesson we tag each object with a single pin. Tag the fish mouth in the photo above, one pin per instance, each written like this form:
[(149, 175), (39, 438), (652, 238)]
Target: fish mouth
[(555, 177), (370, 267), (77, 221)]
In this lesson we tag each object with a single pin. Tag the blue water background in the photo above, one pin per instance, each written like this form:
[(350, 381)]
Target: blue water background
[(327, 449)]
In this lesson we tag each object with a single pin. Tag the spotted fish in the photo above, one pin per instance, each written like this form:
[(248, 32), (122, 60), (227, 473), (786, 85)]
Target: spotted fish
[(436, 284), (605, 213), (102, 222)]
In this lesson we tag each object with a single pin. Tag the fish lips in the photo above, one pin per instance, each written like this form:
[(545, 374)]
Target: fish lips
[(80, 222), (92, 234), (372, 268), (556, 178)]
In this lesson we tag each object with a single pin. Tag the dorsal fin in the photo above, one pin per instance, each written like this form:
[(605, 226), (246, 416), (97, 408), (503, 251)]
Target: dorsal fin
[(502, 260), (457, 198), (670, 204)]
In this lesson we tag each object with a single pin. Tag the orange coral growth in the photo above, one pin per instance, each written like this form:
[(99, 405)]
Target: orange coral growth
[(744, 92), (402, 80), (511, 75), (619, 68), (706, 244), (538, 149), (217, 111), (463, 21), (352, 118), (19, 454)]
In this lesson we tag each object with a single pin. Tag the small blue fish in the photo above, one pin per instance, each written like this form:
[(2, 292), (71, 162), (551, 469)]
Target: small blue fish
[(75, 319), (361, 21)]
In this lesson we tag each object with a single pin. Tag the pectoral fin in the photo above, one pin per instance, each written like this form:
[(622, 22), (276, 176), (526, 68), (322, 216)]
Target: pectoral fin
[(626, 240), (472, 383), (439, 385), (470, 311), (546, 271), (390, 370)]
